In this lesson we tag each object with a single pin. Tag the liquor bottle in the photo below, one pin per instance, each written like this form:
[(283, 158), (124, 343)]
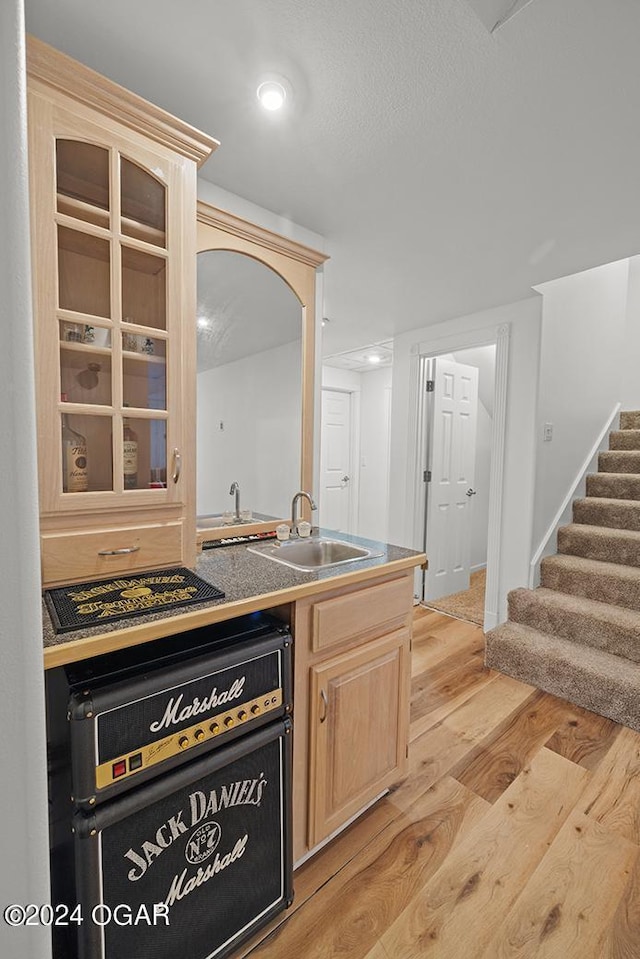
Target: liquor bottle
[(75, 462), (129, 455)]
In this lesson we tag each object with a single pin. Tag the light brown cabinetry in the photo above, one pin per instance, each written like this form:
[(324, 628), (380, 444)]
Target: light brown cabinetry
[(351, 702), (357, 747), (113, 203)]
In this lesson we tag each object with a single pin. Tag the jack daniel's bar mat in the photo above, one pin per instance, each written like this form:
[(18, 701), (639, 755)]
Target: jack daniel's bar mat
[(105, 601)]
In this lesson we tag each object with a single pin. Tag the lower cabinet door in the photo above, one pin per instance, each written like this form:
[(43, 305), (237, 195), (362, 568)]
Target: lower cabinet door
[(359, 729)]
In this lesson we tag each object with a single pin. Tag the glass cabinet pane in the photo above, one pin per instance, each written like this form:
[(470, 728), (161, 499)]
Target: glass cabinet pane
[(144, 381), (144, 292), (143, 202), (84, 283), (87, 463), (111, 353), (144, 448), (82, 181), (85, 376)]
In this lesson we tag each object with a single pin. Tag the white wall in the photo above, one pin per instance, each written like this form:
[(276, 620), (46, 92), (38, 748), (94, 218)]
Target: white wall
[(334, 378), (480, 503), (258, 401), (584, 361), (375, 424), (523, 318), (24, 869), (232, 203), (630, 386)]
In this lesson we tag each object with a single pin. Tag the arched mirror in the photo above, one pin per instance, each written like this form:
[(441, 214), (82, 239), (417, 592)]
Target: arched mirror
[(255, 358)]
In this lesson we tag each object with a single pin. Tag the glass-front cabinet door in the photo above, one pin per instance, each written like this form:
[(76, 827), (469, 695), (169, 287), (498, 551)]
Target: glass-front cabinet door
[(112, 193), (115, 338)]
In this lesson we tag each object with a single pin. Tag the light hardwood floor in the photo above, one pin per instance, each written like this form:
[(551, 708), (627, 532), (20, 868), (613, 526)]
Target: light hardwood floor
[(516, 834)]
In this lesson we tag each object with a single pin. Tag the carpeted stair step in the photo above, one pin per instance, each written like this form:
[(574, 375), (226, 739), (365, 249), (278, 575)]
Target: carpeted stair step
[(630, 420), (614, 485), (619, 461), (624, 440), (614, 513), (588, 677), (598, 542), (580, 620), (605, 582)]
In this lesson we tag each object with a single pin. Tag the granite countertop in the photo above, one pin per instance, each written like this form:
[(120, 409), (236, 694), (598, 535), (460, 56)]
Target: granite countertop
[(249, 581)]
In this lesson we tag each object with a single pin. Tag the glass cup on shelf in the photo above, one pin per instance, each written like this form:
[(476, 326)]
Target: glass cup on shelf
[(101, 336), (131, 342), (157, 478), (73, 332)]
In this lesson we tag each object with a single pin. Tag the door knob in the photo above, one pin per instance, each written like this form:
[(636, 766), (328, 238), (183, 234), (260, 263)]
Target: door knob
[(345, 479), (471, 492)]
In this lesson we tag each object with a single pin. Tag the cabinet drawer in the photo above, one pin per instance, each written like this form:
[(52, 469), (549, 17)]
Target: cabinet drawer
[(76, 557), (342, 619)]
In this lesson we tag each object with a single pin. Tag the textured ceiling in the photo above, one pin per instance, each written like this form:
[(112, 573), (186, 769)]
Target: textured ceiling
[(449, 169)]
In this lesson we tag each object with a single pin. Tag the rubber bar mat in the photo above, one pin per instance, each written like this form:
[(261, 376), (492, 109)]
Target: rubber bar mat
[(105, 601), (238, 540)]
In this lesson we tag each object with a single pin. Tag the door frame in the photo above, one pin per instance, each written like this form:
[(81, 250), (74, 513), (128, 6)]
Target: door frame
[(499, 337), (354, 453), (430, 370)]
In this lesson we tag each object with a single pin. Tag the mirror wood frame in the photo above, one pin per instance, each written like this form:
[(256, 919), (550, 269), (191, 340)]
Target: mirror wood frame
[(296, 264)]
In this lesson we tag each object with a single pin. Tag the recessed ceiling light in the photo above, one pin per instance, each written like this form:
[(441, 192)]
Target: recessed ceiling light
[(374, 358), (203, 323), (272, 95)]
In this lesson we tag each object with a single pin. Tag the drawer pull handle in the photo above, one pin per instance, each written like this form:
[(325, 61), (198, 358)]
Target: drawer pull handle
[(118, 552), (325, 703), (177, 465)]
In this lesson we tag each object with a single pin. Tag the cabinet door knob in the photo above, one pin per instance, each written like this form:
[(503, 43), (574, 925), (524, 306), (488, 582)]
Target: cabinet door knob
[(325, 703), (177, 465)]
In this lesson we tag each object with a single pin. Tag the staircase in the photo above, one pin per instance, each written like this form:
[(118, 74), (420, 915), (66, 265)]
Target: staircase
[(578, 634)]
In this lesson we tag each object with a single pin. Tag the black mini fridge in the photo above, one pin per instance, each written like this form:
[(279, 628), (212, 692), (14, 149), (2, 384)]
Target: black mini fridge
[(175, 840)]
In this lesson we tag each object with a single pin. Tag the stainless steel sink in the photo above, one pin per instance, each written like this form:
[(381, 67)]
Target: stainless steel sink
[(314, 553)]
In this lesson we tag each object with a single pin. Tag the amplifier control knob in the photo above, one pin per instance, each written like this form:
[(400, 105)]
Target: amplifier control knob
[(229, 722), (183, 742), (199, 735), (255, 709), (242, 715), (214, 728)]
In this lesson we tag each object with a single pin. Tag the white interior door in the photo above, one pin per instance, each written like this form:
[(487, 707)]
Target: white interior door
[(450, 491), (335, 461)]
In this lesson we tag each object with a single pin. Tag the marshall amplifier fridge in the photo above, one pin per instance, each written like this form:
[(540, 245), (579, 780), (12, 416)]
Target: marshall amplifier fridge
[(171, 794)]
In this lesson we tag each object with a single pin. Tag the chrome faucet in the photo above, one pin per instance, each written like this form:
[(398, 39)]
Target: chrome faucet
[(294, 509), (236, 489)]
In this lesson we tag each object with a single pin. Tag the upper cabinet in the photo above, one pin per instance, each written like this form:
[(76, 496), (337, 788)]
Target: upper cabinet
[(113, 206)]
